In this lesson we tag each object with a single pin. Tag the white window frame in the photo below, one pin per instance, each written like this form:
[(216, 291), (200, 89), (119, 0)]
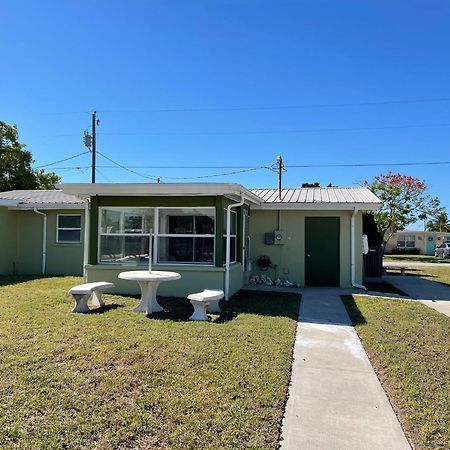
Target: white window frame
[(192, 235), (122, 233), (406, 238), (58, 228), (156, 235), (231, 235)]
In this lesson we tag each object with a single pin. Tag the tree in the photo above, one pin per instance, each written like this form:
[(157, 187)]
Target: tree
[(404, 200), (15, 164), (439, 223)]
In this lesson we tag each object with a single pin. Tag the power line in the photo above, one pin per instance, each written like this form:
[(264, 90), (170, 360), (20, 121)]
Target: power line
[(62, 160), (431, 163), (214, 175), (251, 168), (151, 177), (288, 131), (252, 108), (278, 107)]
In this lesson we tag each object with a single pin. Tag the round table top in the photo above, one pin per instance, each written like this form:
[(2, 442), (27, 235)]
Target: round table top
[(145, 275)]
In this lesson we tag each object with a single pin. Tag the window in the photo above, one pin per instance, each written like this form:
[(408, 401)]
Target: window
[(233, 228), (124, 234), (68, 228), (446, 239), (186, 235), (406, 241)]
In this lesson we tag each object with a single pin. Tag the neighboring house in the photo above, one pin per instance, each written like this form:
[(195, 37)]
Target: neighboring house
[(317, 239), (41, 232), (424, 241)]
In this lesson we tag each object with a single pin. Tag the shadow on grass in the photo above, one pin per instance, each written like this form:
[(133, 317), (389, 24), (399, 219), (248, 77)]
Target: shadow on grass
[(356, 317), (7, 280), (106, 308), (272, 304)]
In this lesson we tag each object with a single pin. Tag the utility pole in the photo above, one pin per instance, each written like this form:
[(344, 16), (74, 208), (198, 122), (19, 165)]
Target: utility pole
[(280, 171), (94, 147), (91, 142)]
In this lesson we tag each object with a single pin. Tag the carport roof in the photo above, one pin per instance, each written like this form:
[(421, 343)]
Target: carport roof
[(318, 198), (45, 199)]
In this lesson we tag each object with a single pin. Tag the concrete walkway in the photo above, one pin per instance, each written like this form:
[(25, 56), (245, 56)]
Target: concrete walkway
[(335, 399), (434, 295)]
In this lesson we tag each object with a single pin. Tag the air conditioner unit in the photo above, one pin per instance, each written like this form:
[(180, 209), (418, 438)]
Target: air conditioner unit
[(278, 237)]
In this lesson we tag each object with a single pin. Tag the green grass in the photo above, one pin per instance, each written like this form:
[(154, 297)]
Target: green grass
[(440, 274), (409, 347), (116, 379), (416, 258)]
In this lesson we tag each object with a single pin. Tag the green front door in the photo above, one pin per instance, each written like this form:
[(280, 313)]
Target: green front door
[(322, 251)]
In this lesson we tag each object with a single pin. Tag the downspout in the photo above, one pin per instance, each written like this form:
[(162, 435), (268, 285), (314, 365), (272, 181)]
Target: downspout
[(44, 240), (228, 245), (87, 208), (353, 251)]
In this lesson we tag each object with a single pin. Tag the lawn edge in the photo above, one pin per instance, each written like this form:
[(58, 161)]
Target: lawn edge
[(387, 383), (289, 381)]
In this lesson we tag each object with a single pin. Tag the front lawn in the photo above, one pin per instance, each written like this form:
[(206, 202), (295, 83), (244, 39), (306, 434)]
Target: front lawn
[(409, 346), (116, 379), (441, 274), (416, 258)]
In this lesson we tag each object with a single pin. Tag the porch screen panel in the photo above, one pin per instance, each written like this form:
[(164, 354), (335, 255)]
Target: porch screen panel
[(186, 235), (124, 234), (233, 231)]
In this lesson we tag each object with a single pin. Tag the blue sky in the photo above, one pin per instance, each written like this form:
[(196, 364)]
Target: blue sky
[(232, 83)]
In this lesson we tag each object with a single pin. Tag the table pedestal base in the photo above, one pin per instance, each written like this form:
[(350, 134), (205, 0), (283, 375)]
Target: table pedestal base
[(148, 303)]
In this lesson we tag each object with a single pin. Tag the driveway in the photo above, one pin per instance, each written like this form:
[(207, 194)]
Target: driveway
[(435, 295)]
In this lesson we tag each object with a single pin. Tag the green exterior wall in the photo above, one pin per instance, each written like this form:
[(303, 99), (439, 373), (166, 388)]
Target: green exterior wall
[(193, 278), (8, 240), (63, 259), (289, 257), (21, 244)]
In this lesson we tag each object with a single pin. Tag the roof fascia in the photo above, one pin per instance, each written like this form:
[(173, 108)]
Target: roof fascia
[(319, 206), (8, 203), (31, 206)]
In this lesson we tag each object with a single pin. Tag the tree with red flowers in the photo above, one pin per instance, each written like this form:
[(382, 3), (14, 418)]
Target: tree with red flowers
[(405, 200)]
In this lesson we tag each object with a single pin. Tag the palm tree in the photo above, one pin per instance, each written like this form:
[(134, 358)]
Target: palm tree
[(440, 223)]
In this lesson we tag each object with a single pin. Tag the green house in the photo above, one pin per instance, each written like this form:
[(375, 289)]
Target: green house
[(41, 232), (218, 235)]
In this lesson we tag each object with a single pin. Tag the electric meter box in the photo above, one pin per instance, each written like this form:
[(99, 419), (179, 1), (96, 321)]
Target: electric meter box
[(278, 237)]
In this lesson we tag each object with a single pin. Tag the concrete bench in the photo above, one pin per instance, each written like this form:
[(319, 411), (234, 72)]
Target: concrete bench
[(401, 269), (208, 300), (82, 292)]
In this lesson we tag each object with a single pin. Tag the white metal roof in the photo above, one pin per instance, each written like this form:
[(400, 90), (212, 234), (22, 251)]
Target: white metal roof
[(46, 199), (318, 198)]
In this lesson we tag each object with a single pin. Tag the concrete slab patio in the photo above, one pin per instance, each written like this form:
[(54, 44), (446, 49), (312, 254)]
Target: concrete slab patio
[(335, 399), (435, 295)]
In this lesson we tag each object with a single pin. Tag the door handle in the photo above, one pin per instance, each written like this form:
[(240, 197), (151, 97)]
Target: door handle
[(308, 255)]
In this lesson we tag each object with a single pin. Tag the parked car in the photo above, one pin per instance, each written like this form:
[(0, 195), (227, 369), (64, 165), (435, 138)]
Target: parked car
[(443, 251)]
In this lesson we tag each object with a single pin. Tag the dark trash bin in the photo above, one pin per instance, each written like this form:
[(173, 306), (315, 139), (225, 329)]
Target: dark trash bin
[(373, 262)]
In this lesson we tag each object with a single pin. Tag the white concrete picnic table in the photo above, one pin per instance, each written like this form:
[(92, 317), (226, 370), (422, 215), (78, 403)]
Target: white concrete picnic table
[(149, 282)]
